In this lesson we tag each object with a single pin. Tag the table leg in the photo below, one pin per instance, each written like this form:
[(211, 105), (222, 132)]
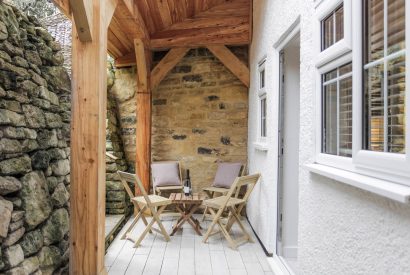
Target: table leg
[(186, 215)]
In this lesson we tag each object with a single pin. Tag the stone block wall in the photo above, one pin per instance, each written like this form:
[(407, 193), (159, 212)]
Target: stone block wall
[(117, 201), (34, 148), (200, 114), (60, 28), (124, 93)]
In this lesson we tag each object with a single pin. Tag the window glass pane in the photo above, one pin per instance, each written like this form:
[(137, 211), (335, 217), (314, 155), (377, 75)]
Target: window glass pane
[(328, 31), (384, 89), (396, 26), (263, 117), (345, 69), (374, 30), (337, 112), (396, 91), (330, 119), (374, 103), (262, 79), (333, 28), (330, 75), (339, 24), (345, 117)]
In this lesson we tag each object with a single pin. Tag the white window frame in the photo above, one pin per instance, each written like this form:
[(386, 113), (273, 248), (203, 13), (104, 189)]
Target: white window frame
[(343, 46), (393, 169), (389, 166), (262, 96), (328, 159)]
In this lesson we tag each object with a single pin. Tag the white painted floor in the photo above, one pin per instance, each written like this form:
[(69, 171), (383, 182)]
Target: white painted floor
[(111, 222), (184, 254)]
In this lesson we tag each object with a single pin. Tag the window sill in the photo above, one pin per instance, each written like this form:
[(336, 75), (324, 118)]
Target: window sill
[(261, 146), (383, 188)]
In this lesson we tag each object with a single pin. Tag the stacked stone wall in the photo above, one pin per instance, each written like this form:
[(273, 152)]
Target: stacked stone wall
[(34, 148), (60, 28), (117, 201), (199, 114)]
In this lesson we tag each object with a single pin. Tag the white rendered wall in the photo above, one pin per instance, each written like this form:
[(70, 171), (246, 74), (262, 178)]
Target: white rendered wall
[(270, 20), (342, 230)]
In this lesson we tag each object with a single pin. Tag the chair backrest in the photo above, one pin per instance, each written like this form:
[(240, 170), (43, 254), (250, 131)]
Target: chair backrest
[(227, 172), (248, 181), (126, 178), (157, 173)]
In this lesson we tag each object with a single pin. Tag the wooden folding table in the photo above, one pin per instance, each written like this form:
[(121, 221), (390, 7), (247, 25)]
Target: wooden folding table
[(187, 205)]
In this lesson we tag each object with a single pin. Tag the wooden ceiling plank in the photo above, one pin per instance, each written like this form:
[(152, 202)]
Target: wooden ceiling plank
[(166, 64), (82, 11), (119, 33), (250, 20), (165, 13), (236, 8), (145, 12), (232, 62), (190, 9), (138, 18), (125, 60), (155, 14), (115, 45)]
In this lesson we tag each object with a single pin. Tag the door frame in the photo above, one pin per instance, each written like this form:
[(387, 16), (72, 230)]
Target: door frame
[(277, 262)]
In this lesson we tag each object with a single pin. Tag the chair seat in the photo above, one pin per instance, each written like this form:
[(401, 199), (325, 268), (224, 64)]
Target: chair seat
[(155, 200), (171, 187), (216, 189), (219, 201)]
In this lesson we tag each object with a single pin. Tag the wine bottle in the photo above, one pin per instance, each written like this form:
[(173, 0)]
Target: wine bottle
[(187, 183)]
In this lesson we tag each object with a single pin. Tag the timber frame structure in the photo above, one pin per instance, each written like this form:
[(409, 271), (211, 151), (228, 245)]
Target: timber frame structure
[(129, 30)]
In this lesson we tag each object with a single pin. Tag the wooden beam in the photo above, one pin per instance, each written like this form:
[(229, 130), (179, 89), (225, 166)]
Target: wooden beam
[(230, 35), (83, 15), (240, 70), (142, 68), (64, 7), (166, 64), (87, 191), (200, 23), (143, 129)]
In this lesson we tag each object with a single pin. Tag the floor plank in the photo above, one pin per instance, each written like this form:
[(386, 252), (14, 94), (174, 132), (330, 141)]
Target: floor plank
[(185, 253)]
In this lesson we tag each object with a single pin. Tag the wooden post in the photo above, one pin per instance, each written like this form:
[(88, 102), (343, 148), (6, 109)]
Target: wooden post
[(89, 88), (143, 137)]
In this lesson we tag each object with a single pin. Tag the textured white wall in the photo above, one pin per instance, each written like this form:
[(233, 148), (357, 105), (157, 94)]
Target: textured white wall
[(271, 19), (342, 230)]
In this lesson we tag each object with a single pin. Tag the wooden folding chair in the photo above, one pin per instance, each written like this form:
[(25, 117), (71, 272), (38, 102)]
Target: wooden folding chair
[(148, 202), (213, 191), (234, 205)]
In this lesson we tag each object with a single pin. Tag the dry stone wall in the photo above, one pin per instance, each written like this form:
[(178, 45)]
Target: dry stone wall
[(117, 201), (34, 148), (200, 114)]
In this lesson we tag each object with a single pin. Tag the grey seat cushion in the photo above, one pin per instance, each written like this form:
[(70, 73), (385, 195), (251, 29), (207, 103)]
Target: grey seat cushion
[(226, 174), (165, 173)]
